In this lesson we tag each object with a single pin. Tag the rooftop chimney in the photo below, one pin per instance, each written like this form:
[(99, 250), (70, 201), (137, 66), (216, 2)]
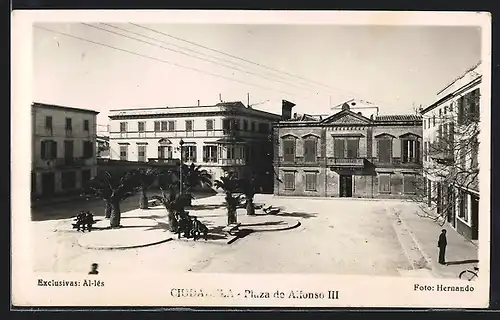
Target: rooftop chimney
[(198, 103), (345, 106), (286, 109)]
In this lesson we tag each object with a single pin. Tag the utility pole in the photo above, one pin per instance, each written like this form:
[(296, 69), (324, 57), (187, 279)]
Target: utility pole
[(220, 97), (248, 99)]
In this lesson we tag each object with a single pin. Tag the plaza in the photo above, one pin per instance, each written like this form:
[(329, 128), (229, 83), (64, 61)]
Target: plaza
[(308, 235)]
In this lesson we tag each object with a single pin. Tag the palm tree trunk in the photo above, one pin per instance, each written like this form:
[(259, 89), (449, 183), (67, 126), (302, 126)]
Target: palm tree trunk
[(250, 207), (107, 210), (172, 222), (115, 214), (143, 200), (231, 217)]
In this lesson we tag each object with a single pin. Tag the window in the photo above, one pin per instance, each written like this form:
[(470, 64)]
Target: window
[(85, 177), (69, 124), (252, 127), (171, 126), (289, 149), (157, 126), (463, 210), (68, 180), (445, 109), (245, 125), (164, 126), (88, 149), (410, 151), (210, 125), (86, 125), (68, 149), (474, 153), (141, 126), (310, 150), (48, 149), (425, 122), (165, 152), (230, 152), (123, 127), (289, 180), (311, 181), (236, 124), (468, 107), (384, 183), (189, 125), (209, 153), (48, 122), (339, 146), (346, 148), (141, 153), (384, 149), (189, 153), (426, 150), (123, 152), (433, 120), (463, 155), (440, 133), (409, 183), (33, 182)]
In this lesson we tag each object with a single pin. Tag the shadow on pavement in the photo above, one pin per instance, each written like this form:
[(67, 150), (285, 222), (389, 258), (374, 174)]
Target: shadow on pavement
[(450, 263), (304, 215)]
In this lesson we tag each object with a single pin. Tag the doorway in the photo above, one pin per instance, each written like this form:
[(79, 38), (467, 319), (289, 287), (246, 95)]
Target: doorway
[(474, 217), (48, 183), (345, 185)]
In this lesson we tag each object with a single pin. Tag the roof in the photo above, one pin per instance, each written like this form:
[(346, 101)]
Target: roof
[(461, 76), (399, 117), (62, 108)]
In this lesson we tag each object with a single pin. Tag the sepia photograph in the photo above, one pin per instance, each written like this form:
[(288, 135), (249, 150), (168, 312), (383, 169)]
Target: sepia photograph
[(251, 159)]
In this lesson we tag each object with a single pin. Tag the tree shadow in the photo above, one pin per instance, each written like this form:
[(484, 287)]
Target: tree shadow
[(206, 207), (294, 214), (450, 263), (153, 216), (268, 223)]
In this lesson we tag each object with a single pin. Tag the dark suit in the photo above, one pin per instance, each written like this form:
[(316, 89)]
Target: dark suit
[(442, 247)]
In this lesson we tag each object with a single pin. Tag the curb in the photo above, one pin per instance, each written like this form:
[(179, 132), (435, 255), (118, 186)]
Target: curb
[(296, 225), (127, 247), (341, 198)]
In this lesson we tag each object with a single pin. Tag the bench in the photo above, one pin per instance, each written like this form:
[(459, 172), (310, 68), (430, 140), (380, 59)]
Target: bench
[(154, 202), (271, 210), (231, 228)]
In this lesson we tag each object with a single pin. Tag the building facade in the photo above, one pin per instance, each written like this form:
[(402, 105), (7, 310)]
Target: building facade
[(63, 150), (451, 148), (348, 154), (225, 137)]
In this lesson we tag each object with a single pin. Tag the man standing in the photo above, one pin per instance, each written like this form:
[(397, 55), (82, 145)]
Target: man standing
[(442, 246)]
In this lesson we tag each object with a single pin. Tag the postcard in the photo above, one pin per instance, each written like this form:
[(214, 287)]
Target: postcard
[(251, 159)]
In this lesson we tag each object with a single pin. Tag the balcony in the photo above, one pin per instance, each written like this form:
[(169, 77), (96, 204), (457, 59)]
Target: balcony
[(63, 163), (165, 161), (345, 162), (232, 162)]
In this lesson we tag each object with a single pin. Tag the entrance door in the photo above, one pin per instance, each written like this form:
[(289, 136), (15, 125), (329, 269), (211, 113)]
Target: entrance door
[(48, 183), (345, 186), (474, 217)]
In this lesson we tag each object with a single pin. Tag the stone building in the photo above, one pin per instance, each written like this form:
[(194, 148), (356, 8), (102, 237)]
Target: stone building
[(451, 148), (64, 149), (348, 154), (225, 137)]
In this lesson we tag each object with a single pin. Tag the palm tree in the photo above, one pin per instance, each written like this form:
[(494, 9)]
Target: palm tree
[(249, 188), (194, 176), (114, 188), (147, 177), (230, 186), (171, 199)]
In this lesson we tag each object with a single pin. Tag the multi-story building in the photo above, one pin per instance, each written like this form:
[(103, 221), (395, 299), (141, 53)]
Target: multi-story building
[(348, 154), (451, 168), (63, 151), (227, 136)]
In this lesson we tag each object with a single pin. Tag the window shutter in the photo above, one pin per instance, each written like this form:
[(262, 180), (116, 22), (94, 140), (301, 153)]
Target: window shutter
[(417, 151), (378, 150), (54, 149), (42, 150), (402, 150)]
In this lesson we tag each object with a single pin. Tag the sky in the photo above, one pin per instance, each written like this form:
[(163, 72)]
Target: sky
[(315, 66)]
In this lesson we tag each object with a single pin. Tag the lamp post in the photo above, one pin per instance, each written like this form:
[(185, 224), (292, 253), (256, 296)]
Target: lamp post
[(181, 143)]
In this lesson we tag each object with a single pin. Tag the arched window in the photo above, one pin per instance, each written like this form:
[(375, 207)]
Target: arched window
[(310, 147), (410, 148), (289, 148), (384, 147)]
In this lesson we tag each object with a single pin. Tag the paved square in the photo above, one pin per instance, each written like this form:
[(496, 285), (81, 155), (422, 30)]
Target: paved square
[(337, 236)]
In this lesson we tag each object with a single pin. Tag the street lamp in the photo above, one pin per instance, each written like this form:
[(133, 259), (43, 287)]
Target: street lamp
[(181, 143)]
